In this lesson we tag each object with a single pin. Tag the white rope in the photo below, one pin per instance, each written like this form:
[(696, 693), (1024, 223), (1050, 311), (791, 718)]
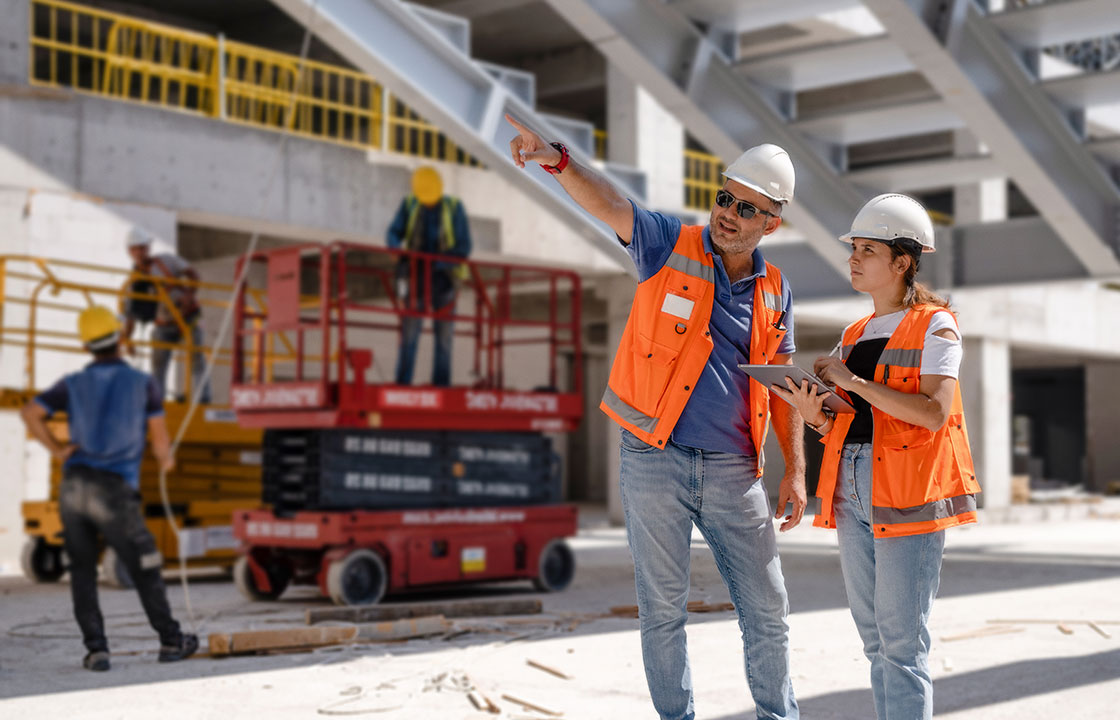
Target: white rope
[(227, 317)]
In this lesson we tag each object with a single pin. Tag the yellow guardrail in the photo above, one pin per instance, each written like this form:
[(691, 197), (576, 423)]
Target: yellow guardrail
[(125, 58), (41, 298), (702, 179)]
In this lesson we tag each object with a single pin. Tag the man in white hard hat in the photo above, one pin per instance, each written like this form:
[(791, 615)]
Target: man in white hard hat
[(150, 267), (692, 423)]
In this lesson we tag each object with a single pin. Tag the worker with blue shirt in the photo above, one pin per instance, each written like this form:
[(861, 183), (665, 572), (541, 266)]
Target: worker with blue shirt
[(432, 223), (692, 423), (110, 407)]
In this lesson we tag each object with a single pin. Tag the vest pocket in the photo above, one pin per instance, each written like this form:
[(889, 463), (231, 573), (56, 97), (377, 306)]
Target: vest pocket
[(653, 365), (897, 438)]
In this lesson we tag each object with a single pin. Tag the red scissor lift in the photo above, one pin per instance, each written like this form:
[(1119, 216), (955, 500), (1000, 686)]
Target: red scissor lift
[(305, 365)]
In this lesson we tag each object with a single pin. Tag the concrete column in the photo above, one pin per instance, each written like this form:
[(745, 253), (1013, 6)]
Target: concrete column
[(14, 62), (1102, 409), (619, 294), (982, 202), (986, 387), (642, 134)]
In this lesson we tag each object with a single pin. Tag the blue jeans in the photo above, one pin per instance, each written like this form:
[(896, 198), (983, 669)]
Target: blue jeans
[(443, 331), (663, 493), (891, 583), (161, 358)]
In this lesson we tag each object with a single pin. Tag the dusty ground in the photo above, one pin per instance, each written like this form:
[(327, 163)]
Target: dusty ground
[(1066, 569)]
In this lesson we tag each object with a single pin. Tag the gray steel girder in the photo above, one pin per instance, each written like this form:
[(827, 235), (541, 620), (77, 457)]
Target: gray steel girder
[(980, 76), (386, 39), (662, 51)]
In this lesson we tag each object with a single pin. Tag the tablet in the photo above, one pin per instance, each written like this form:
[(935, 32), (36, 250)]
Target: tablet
[(776, 375)]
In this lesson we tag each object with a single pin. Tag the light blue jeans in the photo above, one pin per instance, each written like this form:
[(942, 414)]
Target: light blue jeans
[(891, 583), (664, 492)]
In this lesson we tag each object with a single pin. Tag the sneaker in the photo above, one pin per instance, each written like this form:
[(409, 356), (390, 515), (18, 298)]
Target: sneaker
[(187, 645), (97, 661)]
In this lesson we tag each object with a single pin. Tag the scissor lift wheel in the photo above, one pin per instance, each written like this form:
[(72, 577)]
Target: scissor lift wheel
[(41, 561), (360, 578), (557, 565), (279, 576)]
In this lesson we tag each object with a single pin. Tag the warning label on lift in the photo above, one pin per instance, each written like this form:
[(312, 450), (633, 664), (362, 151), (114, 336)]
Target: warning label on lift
[(424, 399), (387, 482), (472, 559), (281, 529)]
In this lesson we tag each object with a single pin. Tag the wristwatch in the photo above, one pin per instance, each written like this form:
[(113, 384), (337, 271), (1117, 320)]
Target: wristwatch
[(828, 415), (563, 163)]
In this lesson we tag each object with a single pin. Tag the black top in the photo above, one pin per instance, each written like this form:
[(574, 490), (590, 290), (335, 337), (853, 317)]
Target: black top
[(862, 361)]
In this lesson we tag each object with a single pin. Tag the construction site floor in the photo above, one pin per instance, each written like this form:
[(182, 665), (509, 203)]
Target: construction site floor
[(1057, 570)]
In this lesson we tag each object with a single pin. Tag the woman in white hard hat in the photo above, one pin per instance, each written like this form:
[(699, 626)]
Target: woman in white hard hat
[(899, 471)]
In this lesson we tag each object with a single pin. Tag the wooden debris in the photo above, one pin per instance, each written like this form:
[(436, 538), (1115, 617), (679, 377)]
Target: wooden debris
[(255, 641), (456, 609), (547, 669), (530, 706), (1100, 631), (982, 632), (304, 638), (483, 703), (1065, 629), (694, 606)]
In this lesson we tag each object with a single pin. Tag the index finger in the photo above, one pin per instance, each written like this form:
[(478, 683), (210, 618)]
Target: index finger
[(519, 126)]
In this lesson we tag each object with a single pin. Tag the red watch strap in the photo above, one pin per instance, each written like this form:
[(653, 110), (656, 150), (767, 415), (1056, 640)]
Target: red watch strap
[(564, 157)]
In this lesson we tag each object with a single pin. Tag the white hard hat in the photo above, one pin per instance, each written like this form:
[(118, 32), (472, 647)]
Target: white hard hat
[(139, 236), (892, 216), (766, 169)]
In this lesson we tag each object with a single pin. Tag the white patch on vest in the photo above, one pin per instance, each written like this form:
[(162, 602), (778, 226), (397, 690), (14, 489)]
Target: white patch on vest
[(677, 305)]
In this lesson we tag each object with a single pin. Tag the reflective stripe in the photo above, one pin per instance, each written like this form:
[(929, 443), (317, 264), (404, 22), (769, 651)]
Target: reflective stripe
[(632, 415), (688, 266), (846, 351), (936, 510), (901, 358), (774, 302)]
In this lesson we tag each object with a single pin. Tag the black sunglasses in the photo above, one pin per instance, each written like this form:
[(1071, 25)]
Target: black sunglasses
[(745, 209)]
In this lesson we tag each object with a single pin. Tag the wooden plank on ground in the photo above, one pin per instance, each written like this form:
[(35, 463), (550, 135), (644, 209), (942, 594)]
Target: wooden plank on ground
[(456, 609), (982, 632), (305, 638)]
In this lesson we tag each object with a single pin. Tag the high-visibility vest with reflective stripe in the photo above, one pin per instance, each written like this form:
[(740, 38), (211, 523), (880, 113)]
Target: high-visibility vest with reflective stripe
[(921, 481), (667, 341), (448, 205)]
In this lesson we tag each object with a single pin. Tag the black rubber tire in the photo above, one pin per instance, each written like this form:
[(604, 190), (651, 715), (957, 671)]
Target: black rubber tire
[(41, 561), (556, 567), (114, 572), (279, 576), (360, 578)]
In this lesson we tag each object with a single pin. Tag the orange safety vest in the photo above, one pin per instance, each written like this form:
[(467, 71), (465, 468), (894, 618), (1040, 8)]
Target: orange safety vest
[(921, 481), (666, 344)]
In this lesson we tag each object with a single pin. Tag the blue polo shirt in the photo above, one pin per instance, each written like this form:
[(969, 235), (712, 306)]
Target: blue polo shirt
[(107, 406), (717, 416)]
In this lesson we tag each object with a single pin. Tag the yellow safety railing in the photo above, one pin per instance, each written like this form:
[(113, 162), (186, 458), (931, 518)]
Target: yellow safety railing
[(126, 58), (702, 179), (51, 294)]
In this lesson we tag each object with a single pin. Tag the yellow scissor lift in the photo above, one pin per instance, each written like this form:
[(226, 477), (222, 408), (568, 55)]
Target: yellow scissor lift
[(217, 467)]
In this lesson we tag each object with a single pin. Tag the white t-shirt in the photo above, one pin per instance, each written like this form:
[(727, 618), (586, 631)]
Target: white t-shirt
[(940, 356)]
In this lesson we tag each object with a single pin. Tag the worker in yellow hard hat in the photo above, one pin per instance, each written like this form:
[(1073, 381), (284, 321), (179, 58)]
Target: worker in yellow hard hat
[(112, 410), (431, 226)]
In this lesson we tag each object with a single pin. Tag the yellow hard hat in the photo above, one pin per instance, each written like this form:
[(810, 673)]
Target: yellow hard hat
[(427, 186), (98, 327)]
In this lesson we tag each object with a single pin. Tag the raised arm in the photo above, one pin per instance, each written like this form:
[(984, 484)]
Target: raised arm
[(589, 189)]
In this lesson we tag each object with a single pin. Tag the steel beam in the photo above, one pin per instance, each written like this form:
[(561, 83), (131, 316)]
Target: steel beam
[(391, 42), (1056, 22), (981, 77), (827, 65), (661, 50)]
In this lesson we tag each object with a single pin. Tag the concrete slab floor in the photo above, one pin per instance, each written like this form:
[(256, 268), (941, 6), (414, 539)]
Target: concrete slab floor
[(1067, 570)]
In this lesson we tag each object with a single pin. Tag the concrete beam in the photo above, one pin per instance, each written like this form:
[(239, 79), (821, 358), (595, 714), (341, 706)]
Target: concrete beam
[(746, 15), (966, 59), (827, 65), (1053, 23), (927, 174)]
